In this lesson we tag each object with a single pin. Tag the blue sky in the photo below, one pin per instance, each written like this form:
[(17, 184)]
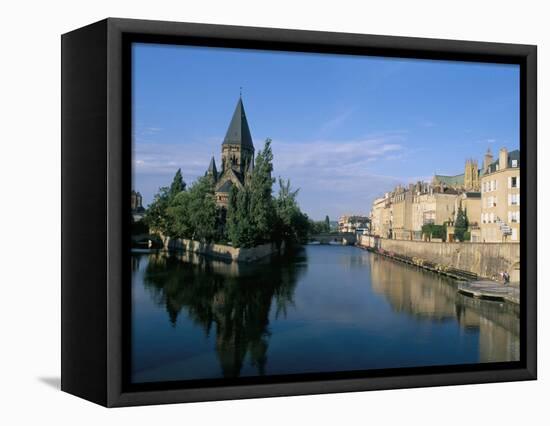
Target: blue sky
[(345, 129)]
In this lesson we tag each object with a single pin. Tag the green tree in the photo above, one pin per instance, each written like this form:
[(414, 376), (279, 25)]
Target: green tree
[(291, 224), (202, 207), (261, 198), (178, 185), (250, 212), (155, 215), (327, 223), (461, 224), (240, 228), (193, 214)]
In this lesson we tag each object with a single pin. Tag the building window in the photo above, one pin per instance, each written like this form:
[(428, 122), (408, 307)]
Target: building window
[(491, 202), (514, 163), (514, 182), (513, 217), (491, 218)]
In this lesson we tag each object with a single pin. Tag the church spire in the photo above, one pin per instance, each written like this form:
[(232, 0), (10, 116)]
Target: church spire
[(212, 168), (238, 132)]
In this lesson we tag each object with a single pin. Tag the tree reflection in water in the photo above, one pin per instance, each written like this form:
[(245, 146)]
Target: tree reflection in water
[(231, 299)]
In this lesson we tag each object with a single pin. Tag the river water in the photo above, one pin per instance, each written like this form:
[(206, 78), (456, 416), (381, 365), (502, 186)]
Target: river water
[(325, 308)]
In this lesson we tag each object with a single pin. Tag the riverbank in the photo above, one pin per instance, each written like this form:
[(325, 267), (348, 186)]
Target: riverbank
[(222, 251), (480, 260), (470, 283), (424, 264)]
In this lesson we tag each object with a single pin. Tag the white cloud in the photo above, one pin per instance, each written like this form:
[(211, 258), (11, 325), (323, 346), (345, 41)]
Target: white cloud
[(334, 176), (323, 154), (335, 122)]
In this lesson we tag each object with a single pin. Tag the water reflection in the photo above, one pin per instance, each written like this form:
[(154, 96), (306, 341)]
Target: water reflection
[(425, 295), (226, 298), (321, 309)]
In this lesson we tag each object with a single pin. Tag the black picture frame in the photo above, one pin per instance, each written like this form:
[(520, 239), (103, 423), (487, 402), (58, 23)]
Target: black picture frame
[(96, 143)]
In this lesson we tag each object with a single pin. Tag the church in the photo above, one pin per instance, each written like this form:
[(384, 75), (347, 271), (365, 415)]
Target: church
[(237, 157), (467, 181)]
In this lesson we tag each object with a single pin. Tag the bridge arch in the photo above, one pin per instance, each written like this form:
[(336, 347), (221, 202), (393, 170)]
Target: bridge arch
[(344, 238)]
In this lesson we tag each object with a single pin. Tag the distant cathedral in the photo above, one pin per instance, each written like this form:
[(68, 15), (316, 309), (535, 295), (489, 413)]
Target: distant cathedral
[(237, 157), (469, 181)]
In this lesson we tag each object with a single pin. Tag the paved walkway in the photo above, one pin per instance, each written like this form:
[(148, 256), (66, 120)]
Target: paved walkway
[(491, 290)]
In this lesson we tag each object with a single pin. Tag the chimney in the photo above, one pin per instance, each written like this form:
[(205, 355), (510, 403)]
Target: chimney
[(503, 159), (487, 160)]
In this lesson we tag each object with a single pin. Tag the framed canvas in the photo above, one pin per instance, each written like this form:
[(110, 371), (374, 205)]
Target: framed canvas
[(255, 212)]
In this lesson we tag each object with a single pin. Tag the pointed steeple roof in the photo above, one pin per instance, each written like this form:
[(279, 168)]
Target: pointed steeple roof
[(238, 132), (212, 167)]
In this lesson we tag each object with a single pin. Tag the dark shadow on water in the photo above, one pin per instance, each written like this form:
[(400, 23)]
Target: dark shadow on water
[(54, 382), (229, 299)]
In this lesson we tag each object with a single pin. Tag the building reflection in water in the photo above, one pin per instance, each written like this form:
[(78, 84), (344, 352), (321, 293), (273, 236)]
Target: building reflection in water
[(429, 297), (232, 300), (232, 304)]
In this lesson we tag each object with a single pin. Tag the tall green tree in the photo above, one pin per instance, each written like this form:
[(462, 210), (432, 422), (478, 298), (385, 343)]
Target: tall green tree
[(461, 224), (240, 227), (178, 185), (251, 214), (261, 198), (327, 223)]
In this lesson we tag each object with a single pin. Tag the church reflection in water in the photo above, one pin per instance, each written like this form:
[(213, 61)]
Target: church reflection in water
[(425, 295), (225, 298), (198, 317)]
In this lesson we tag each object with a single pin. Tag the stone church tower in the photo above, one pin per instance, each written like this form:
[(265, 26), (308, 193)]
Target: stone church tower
[(237, 147), (471, 176), (237, 157)]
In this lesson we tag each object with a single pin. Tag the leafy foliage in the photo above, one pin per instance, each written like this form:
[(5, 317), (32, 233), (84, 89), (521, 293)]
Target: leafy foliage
[(318, 227), (250, 213), (239, 226), (461, 224), (261, 210), (253, 215), (292, 225), (193, 214), (178, 185), (435, 231), (156, 216)]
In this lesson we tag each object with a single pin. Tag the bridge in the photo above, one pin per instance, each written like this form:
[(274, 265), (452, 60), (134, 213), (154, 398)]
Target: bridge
[(343, 238)]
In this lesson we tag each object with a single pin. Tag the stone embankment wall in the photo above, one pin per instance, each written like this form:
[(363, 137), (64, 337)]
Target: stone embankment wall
[(484, 259), (221, 251)]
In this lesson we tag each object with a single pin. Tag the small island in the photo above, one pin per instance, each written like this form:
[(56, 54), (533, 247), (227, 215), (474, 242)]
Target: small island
[(231, 213)]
